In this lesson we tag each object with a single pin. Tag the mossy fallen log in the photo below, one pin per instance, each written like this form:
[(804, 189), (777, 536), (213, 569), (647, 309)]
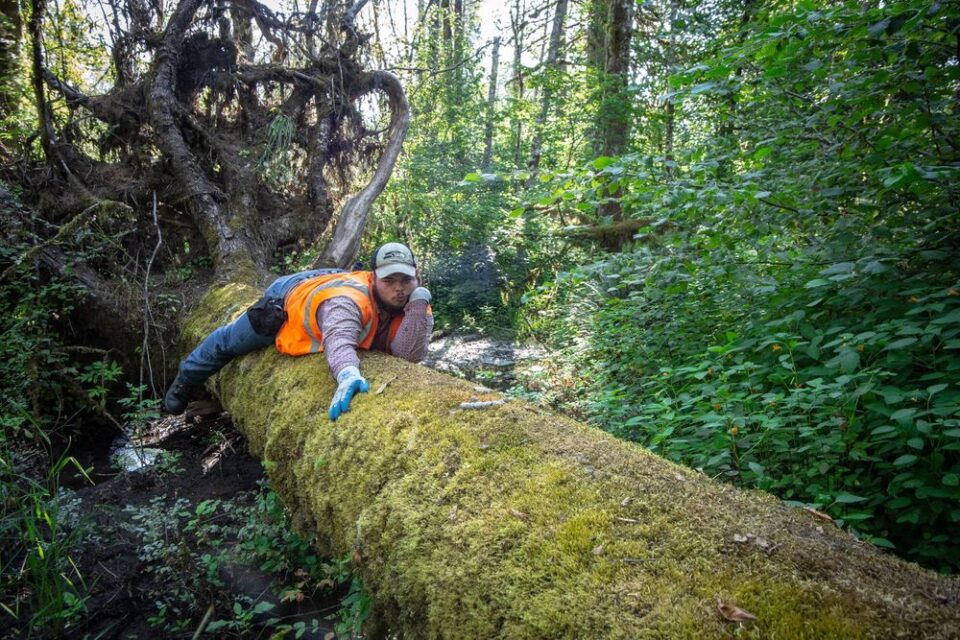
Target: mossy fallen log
[(512, 522)]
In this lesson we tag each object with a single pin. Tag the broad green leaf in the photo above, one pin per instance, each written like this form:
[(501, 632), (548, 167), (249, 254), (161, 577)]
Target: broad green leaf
[(951, 318), (903, 414), (849, 360), (904, 460), (840, 267), (602, 161), (900, 344), (702, 88), (885, 429), (849, 498)]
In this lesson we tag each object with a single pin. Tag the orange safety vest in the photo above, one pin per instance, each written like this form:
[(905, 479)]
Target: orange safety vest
[(301, 334)]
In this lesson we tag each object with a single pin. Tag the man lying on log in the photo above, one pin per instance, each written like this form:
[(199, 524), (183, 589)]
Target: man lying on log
[(326, 310)]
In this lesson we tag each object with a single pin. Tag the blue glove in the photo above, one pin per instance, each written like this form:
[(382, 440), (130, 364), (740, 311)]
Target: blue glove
[(349, 381)]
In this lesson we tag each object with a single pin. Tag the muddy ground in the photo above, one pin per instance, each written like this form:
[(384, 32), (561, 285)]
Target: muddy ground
[(163, 546)]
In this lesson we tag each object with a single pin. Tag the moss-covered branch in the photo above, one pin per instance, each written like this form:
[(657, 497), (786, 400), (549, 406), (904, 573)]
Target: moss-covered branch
[(516, 523)]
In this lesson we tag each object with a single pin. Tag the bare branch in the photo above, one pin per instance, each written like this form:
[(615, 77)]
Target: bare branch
[(343, 248)]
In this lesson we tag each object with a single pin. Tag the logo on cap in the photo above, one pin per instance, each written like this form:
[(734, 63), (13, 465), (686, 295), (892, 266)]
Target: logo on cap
[(394, 257)]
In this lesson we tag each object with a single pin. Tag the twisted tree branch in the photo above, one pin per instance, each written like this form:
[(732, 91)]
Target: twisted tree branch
[(343, 248)]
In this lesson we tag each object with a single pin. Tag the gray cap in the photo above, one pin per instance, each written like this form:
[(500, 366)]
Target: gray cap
[(394, 257)]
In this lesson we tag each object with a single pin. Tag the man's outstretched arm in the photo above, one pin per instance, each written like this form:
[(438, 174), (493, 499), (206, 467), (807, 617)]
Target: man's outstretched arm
[(340, 322), (413, 334)]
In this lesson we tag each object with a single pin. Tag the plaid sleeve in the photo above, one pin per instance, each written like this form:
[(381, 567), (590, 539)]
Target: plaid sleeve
[(413, 335), (340, 322)]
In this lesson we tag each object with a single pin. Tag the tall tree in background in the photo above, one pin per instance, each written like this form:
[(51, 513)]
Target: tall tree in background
[(549, 69), (491, 106), (610, 32), (518, 25), (10, 34)]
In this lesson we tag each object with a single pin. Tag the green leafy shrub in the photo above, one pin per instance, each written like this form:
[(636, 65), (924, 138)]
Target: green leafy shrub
[(788, 315), (840, 391)]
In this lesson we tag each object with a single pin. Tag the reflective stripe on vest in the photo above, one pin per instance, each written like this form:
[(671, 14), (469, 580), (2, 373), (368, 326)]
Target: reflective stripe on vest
[(301, 334), (309, 311)]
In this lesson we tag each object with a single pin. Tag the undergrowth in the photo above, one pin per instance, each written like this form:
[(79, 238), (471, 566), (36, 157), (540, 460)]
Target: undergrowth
[(834, 386)]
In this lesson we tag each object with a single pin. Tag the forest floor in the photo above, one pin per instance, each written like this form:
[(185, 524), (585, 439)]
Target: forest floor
[(191, 533)]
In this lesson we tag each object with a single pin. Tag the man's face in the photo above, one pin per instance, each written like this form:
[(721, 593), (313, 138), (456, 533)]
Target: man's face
[(395, 290)]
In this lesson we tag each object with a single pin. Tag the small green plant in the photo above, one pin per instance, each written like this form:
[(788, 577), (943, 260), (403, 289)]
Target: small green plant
[(48, 590), (168, 463), (267, 539), (178, 586), (354, 611), (97, 378), (184, 546), (242, 616), (274, 161), (139, 409)]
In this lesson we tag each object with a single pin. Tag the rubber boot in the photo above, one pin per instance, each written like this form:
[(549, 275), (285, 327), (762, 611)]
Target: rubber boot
[(178, 395)]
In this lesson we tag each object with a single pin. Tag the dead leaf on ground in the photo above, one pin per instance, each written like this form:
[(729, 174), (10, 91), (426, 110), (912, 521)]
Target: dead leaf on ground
[(625, 501), (519, 514), (680, 477), (734, 613), (453, 513), (597, 550), (330, 635), (739, 538)]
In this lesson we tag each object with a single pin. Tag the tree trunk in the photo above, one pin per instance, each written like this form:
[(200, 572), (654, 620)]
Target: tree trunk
[(550, 69), (11, 30), (517, 26), (669, 108), (611, 31), (491, 107), (511, 522)]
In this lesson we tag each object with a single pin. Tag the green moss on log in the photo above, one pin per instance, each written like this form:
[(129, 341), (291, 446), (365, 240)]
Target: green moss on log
[(513, 522)]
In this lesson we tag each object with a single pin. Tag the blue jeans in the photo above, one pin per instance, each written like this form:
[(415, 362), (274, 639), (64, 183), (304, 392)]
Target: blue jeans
[(238, 338)]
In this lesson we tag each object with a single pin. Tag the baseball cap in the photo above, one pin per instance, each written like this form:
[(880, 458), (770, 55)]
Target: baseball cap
[(394, 257)]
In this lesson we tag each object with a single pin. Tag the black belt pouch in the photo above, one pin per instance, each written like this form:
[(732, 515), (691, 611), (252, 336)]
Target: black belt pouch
[(267, 316)]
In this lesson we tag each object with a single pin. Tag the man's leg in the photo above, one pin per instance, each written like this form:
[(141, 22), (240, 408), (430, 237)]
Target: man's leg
[(226, 343), (220, 347)]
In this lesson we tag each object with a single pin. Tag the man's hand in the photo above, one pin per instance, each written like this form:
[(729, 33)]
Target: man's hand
[(420, 293), (349, 382)]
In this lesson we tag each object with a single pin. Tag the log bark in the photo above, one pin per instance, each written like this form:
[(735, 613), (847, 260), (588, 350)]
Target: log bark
[(512, 522)]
